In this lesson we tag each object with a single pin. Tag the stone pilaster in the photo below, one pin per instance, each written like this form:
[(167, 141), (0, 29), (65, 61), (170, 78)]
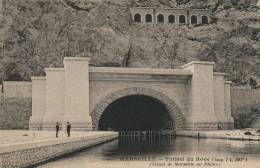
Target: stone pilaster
[(202, 115), (228, 105), (38, 102), (77, 93), (219, 103), (54, 109)]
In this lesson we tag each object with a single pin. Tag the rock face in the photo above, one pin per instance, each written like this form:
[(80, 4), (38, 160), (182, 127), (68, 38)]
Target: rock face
[(18, 110), (39, 34)]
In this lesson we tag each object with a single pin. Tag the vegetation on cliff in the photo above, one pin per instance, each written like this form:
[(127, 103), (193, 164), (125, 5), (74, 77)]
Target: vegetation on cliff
[(40, 33)]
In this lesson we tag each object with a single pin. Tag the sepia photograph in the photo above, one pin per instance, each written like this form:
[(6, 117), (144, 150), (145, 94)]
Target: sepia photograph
[(129, 83)]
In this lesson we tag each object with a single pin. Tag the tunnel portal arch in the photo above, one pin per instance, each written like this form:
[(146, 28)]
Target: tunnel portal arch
[(174, 111)]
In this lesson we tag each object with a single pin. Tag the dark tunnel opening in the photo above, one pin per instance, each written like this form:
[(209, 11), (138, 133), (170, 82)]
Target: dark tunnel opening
[(136, 113)]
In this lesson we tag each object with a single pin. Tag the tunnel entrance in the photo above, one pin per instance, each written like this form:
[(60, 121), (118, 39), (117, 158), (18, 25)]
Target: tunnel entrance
[(136, 113)]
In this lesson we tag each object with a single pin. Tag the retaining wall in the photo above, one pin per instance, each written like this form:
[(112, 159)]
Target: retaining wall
[(17, 89), (33, 153)]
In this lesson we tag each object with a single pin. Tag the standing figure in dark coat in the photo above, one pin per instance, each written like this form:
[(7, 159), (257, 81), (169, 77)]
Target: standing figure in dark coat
[(57, 129), (68, 129)]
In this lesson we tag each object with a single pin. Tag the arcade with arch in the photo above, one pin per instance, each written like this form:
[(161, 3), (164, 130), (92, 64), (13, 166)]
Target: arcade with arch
[(171, 16)]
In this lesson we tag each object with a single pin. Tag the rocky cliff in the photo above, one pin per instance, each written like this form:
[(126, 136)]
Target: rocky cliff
[(38, 34)]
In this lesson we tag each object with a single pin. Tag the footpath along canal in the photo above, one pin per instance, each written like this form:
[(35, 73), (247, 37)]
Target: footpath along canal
[(20, 149)]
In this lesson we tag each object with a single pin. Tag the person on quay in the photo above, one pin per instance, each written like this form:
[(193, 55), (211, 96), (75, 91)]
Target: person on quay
[(57, 129), (68, 129)]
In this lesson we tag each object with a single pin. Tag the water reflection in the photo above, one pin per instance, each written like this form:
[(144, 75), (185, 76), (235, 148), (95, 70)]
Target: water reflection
[(144, 144), (111, 153)]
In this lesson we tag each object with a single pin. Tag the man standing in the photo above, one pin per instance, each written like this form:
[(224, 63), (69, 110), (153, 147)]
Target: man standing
[(57, 129), (68, 129)]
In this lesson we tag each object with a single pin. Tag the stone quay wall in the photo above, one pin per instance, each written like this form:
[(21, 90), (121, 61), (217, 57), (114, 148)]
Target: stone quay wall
[(220, 134), (30, 154)]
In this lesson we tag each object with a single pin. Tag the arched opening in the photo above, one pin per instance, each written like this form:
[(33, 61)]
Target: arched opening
[(182, 19), (137, 17), (172, 108), (205, 20), (135, 113), (171, 19), (160, 18), (194, 19), (148, 18)]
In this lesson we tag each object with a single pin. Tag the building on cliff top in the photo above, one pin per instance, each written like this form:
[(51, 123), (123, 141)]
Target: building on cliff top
[(170, 15)]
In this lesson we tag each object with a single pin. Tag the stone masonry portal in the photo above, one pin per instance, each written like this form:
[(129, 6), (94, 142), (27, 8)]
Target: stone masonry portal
[(195, 97)]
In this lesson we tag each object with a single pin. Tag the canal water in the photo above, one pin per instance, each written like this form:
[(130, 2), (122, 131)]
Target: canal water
[(164, 152)]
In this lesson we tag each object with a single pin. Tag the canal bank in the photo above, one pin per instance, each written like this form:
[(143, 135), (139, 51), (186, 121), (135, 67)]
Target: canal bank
[(243, 135), (30, 153)]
